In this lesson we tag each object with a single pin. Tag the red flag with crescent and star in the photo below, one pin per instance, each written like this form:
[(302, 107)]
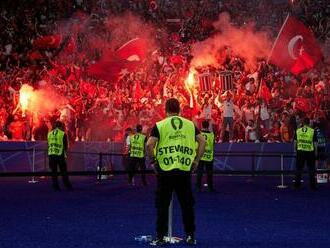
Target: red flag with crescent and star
[(124, 60), (48, 41), (295, 49)]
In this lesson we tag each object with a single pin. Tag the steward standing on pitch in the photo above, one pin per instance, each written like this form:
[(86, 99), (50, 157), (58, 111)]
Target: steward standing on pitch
[(305, 144), (174, 142), (207, 158), (57, 147), (137, 155)]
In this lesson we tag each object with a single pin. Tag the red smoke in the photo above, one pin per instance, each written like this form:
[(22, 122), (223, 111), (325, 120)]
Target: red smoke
[(244, 42), (128, 26), (40, 101)]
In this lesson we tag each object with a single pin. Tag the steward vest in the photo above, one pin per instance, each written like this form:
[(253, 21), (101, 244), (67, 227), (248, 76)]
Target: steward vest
[(209, 147), (176, 148), (137, 145), (55, 142), (305, 137)]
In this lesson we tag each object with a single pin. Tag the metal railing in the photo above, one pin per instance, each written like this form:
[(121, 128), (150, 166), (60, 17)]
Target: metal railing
[(101, 155)]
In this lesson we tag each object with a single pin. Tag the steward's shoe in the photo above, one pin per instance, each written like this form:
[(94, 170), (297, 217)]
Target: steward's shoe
[(314, 188), (190, 240), (158, 242), (296, 186), (56, 188), (69, 188), (212, 190)]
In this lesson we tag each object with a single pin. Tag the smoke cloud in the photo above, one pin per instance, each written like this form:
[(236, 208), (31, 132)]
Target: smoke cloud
[(41, 101), (87, 40), (244, 42), (97, 37), (128, 26)]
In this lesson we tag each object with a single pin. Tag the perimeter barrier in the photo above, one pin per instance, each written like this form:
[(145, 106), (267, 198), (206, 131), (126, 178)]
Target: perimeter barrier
[(102, 164)]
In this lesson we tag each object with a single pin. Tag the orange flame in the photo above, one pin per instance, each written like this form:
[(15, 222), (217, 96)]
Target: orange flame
[(190, 81), (25, 95), (190, 84)]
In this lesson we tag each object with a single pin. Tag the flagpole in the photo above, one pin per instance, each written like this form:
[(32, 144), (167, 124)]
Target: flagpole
[(278, 36)]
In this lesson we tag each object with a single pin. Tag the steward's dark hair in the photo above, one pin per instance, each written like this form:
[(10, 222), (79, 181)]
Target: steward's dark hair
[(205, 124), (172, 106), (138, 128), (59, 124), (306, 121)]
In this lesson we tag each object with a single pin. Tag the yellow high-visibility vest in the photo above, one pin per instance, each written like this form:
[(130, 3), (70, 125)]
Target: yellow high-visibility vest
[(55, 142), (209, 147), (137, 149), (176, 148), (305, 137)]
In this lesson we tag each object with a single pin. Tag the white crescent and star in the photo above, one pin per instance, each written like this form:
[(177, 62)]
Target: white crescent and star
[(134, 57), (123, 72), (292, 44), (52, 40)]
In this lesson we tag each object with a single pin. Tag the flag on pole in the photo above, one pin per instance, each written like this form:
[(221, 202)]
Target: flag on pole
[(295, 48), (264, 91)]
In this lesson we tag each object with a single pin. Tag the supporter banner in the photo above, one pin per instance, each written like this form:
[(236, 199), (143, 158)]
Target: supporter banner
[(295, 48), (205, 82), (226, 81)]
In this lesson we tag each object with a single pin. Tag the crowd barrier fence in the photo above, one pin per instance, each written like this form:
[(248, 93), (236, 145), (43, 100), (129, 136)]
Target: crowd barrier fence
[(106, 159)]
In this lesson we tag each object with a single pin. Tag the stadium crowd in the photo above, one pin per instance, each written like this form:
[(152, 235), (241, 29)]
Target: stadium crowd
[(267, 104)]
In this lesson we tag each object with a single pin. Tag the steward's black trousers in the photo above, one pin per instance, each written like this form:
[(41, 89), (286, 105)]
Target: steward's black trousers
[(59, 161), (208, 166), (309, 158), (133, 166), (180, 183)]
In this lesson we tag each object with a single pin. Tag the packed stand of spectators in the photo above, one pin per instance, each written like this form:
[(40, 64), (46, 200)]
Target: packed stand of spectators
[(266, 105)]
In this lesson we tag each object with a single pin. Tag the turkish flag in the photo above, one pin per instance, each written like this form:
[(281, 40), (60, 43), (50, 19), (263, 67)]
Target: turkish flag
[(176, 59), (137, 91), (48, 41), (153, 5), (264, 91), (88, 88), (70, 46), (35, 55), (125, 59), (133, 50), (295, 48), (302, 104), (111, 69)]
